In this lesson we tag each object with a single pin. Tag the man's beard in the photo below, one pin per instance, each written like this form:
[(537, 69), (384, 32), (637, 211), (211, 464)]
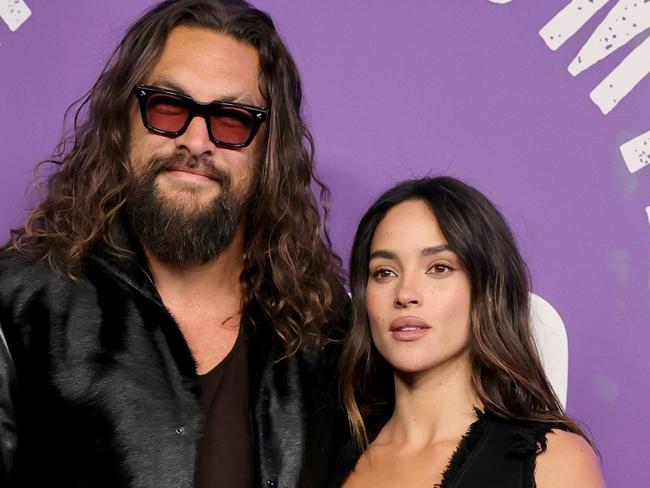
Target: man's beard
[(183, 235)]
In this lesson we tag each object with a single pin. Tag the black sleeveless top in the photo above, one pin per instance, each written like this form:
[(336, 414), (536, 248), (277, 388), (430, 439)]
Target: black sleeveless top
[(494, 453)]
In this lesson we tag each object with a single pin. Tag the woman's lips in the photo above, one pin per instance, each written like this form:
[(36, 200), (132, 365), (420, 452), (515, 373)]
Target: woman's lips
[(408, 329)]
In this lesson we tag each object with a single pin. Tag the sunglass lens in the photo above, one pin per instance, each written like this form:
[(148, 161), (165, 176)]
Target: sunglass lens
[(231, 125), (166, 113)]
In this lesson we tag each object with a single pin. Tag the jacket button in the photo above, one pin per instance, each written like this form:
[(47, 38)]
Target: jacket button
[(272, 483), (180, 431)]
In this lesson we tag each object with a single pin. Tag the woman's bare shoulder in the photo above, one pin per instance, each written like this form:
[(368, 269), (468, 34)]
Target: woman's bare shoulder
[(568, 462)]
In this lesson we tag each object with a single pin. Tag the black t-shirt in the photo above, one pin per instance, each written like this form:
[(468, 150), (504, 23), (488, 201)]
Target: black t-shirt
[(225, 457)]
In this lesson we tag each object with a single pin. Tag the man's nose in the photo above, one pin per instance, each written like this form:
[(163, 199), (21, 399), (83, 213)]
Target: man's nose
[(196, 138)]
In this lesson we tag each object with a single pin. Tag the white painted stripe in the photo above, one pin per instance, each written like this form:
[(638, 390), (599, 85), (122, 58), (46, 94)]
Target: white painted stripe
[(636, 152), (552, 343), (568, 21), (647, 211), (626, 76), (502, 2), (14, 13), (626, 19)]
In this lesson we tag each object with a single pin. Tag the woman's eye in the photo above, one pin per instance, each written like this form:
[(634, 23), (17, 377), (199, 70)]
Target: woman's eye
[(439, 269), (383, 273)]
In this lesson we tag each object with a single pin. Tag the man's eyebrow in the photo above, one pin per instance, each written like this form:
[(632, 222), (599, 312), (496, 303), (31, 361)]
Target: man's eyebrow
[(169, 84), (165, 82)]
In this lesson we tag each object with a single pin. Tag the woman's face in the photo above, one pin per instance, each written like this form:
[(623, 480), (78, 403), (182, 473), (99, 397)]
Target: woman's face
[(418, 295)]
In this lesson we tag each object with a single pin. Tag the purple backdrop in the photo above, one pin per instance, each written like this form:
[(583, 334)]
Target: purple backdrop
[(401, 89)]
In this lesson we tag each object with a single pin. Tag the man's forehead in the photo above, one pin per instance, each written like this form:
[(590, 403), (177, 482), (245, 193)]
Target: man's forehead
[(208, 65)]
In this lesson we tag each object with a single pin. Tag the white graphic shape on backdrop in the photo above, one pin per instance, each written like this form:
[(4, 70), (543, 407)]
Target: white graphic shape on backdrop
[(623, 79), (568, 21), (626, 19), (502, 2), (636, 152), (647, 211), (14, 13), (552, 343)]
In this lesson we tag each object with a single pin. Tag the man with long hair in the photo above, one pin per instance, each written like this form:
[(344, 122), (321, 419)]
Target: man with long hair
[(170, 311)]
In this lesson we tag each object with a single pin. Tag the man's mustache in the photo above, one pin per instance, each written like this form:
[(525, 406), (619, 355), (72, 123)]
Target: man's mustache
[(180, 161)]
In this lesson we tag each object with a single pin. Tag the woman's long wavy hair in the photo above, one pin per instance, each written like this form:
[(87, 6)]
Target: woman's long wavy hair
[(290, 268), (507, 374)]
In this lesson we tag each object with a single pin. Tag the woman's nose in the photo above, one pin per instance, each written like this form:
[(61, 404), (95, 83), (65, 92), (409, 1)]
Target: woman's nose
[(408, 294)]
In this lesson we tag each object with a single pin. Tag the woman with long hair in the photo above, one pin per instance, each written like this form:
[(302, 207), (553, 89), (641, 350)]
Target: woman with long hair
[(440, 375)]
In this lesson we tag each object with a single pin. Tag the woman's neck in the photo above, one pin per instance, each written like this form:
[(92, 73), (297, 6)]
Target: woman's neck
[(432, 406)]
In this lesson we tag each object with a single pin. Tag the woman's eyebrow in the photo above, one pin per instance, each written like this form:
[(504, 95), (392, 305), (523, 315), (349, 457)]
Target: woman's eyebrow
[(428, 251), (388, 254), (382, 253)]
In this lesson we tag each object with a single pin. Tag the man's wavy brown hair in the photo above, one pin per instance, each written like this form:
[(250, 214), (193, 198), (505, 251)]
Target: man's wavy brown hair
[(290, 269)]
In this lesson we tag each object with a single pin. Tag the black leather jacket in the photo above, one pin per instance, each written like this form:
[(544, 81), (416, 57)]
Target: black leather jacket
[(98, 387)]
